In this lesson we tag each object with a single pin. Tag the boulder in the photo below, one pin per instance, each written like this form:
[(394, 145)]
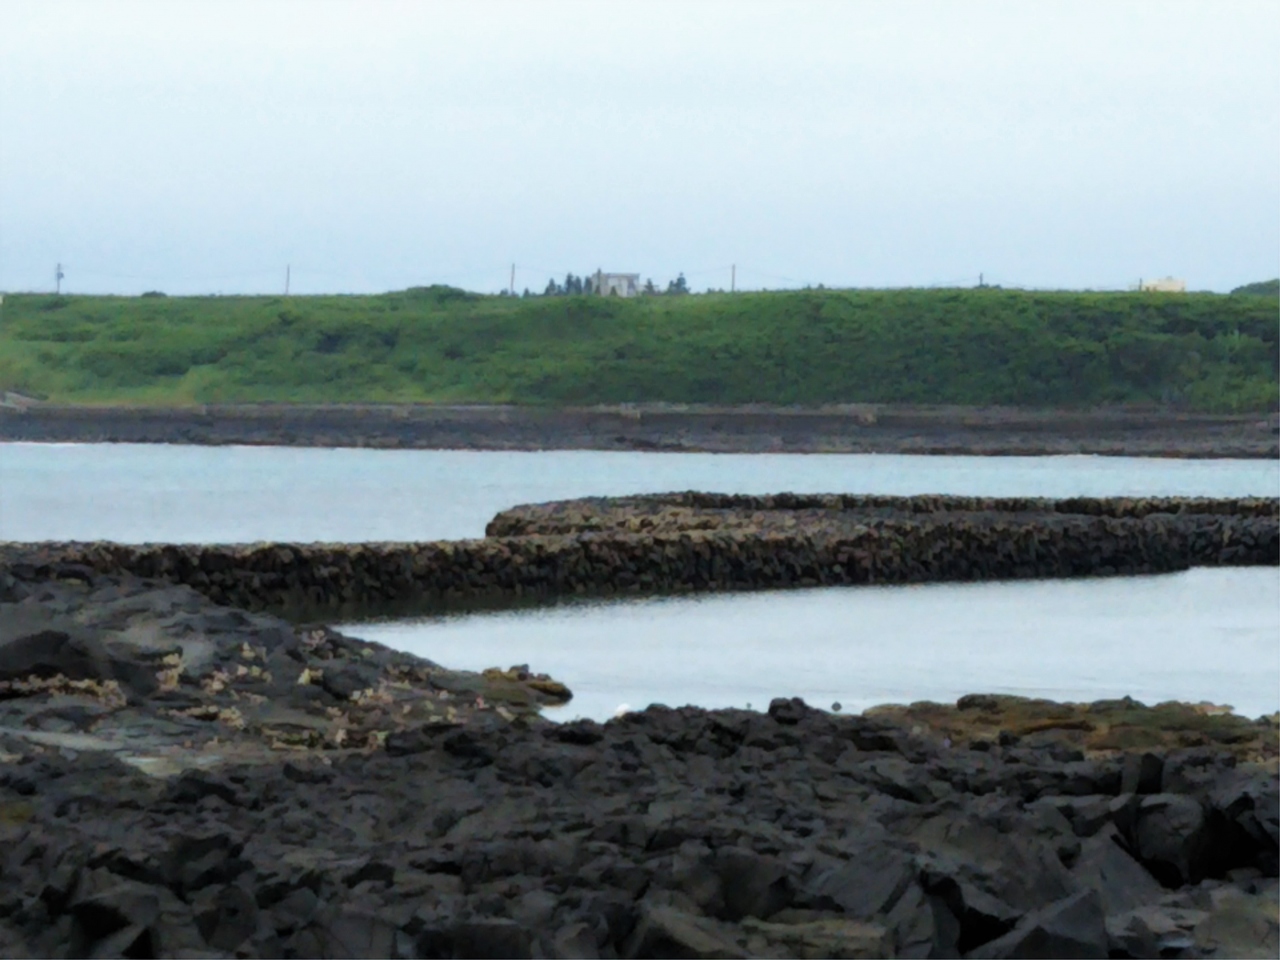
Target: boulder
[(343, 680), (788, 711), (1248, 800), (923, 925), (1122, 884), (752, 885), (1141, 773), (227, 917), (73, 653), (1073, 927), (1170, 837), (867, 884)]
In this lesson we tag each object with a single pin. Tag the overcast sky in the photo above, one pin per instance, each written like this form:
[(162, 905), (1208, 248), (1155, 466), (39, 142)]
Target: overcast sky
[(200, 147)]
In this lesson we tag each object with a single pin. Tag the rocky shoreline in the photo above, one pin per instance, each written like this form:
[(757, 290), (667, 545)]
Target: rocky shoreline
[(200, 782), (184, 777), (851, 428)]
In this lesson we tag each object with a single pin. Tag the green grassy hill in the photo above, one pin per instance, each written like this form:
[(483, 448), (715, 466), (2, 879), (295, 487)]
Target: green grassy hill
[(1263, 288), (988, 346)]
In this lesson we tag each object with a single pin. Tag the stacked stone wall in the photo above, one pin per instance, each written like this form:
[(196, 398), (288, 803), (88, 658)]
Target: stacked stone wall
[(569, 516), (913, 546)]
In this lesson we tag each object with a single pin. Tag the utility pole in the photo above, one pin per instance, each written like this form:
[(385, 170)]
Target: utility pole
[(511, 287), (733, 278), (57, 279), (288, 267)]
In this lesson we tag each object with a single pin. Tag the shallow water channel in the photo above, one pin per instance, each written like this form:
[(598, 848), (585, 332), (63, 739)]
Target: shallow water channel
[(1200, 635), (134, 493), (1203, 634)]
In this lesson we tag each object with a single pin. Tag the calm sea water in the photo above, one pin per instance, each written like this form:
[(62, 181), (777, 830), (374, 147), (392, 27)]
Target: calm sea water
[(1201, 635), (135, 493), (1204, 634)]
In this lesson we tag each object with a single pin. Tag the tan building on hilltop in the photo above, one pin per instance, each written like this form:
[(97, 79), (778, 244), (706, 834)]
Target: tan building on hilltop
[(616, 284), (1167, 285)]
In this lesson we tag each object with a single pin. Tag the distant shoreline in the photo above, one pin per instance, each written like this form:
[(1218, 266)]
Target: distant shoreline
[(864, 428)]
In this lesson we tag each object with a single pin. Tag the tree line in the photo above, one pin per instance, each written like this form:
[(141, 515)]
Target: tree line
[(579, 286)]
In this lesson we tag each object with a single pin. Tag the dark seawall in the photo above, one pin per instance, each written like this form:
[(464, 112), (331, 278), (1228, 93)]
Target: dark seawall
[(647, 545), (855, 428)]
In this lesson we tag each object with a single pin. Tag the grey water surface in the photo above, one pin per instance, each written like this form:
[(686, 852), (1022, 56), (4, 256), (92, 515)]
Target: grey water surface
[(1199, 635), (1203, 634), (134, 493)]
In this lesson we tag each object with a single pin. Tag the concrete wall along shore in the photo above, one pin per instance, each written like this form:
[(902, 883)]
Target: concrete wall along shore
[(704, 542)]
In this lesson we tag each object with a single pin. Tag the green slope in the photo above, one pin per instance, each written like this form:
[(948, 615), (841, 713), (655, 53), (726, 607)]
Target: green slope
[(1263, 288), (1196, 351)]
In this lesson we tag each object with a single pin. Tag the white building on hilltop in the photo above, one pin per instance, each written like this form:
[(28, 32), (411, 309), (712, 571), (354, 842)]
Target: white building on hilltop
[(1167, 285), (616, 284)]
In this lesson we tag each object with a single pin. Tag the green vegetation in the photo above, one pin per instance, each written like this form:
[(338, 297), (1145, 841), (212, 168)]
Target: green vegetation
[(1264, 288), (985, 346)]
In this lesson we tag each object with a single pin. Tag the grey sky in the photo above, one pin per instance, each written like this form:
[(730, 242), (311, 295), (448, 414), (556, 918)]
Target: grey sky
[(202, 146)]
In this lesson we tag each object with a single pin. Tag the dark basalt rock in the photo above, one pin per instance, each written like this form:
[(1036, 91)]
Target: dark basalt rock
[(789, 712), (1072, 927), (401, 743), (343, 682), (179, 778), (652, 838)]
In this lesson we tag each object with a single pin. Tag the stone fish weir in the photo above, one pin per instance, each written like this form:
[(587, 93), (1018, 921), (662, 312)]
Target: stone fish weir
[(706, 542), (179, 777)]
